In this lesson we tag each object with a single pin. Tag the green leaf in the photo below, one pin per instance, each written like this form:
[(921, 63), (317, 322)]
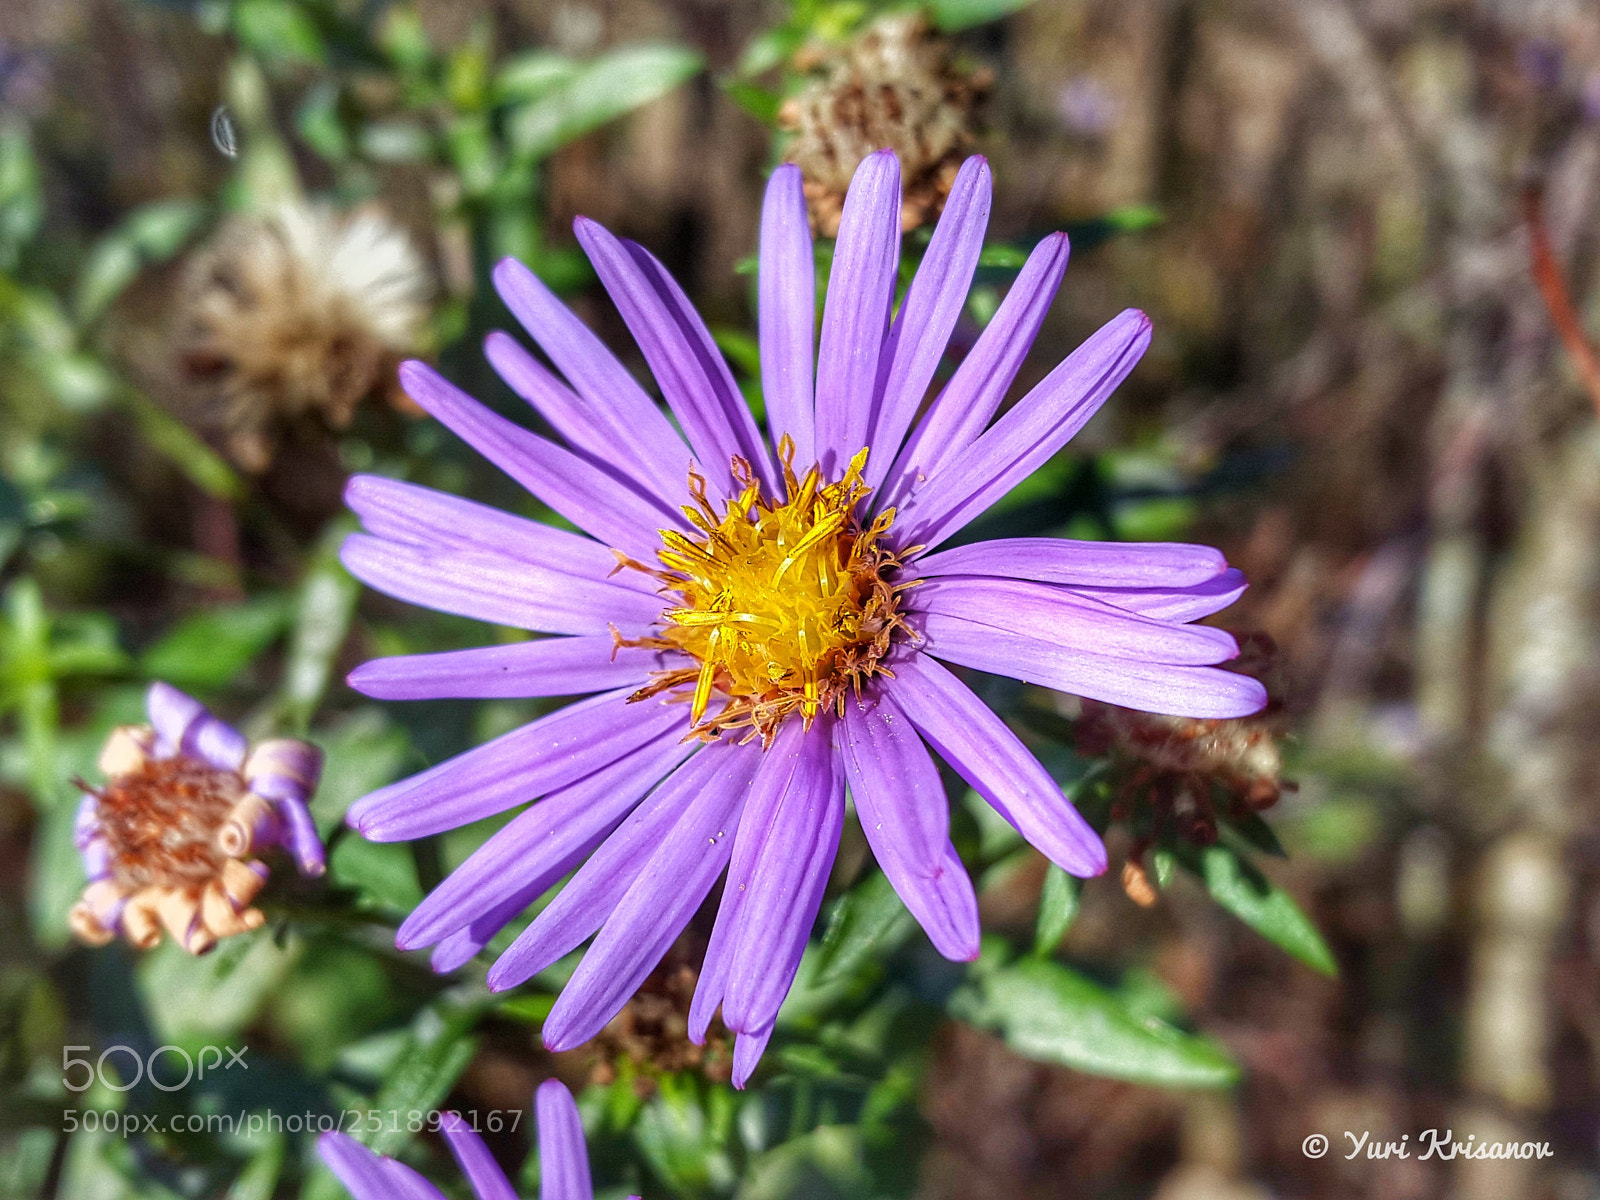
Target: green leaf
[(161, 229), (952, 15), (436, 1053), (326, 605), (1058, 908), (173, 440), (528, 76), (868, 922), (277, 29), (1241, 889), (1009, 257), (599, 91), (1052, 1014), (383, 873), (207, 650), (761, 103), (361, 754), (110, 268)]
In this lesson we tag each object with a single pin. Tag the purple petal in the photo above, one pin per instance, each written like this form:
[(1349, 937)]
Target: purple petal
[(689, 368), (187, 726), (369, 1177), (590, 896), (540, 845), (796, 810), (563, 1154), (1175, 603), (660, 902), (457, 949), (747, 1051), (985, 753), (593, 430), (571, 666), (517, 767), (1091, 564), (501, 591), (855, 316), (1176, 690), (1065, 619), (641, 433), (299, 836), (487, 1180), (404, 512), (788, 314), (906, 817), (584, 494), (974, 392), (1026, 437), (929, 312)]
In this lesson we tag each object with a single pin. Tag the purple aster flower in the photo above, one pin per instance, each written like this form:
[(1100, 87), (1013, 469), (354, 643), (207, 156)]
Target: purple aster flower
[(167, 841), (563, 1158), (761, 621)]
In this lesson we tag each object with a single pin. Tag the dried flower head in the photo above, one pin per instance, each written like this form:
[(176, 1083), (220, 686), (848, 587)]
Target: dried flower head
[(894, 86), (1184, 769), (167, 839), (302, 311)]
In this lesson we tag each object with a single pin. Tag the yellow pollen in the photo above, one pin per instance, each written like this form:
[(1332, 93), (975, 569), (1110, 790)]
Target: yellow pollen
[(785, 607)]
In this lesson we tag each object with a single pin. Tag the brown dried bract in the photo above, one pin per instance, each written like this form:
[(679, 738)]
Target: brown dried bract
[(897, 86)]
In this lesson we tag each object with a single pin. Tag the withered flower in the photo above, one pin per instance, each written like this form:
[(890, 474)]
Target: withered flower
[(167, 840), (1178, 774), (897, 86), (299, 312)]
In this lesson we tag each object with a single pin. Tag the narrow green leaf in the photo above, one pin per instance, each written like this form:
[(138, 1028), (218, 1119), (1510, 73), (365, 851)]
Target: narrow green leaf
[(173, 440), (868, 922), (761, 103), (1241, 889), (599, 91), (327, 603), (1058, 908), (437, 1051), (953, 15), (210, 648), (1050, 1013), (531, 75), (277, 29)]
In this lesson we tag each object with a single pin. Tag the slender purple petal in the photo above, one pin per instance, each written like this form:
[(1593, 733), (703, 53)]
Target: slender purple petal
[(591, 895), (929, 312), (1176, 690), (299, 836), (660, 901), (171, 714), (689, 368), (457, 949), (540, 845), (1086, 564), (592, 430), (1175, 603), (977, 744), (855, 316), (488, 1181), (975, 391), (1065, 619), (570, 666), (906, 817), (788, 314), (581, 492), (498, 590), (1026, 437), (747, 1051), (519, 766), (369, 1177), (797, 811), (643, 436), (563, 1154), (405, 512)]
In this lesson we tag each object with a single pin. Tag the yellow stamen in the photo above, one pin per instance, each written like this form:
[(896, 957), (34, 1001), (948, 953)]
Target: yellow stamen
[(785, 606)]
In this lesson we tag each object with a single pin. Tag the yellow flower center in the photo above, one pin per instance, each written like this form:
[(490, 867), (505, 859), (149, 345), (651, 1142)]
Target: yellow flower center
[(785, 607)]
